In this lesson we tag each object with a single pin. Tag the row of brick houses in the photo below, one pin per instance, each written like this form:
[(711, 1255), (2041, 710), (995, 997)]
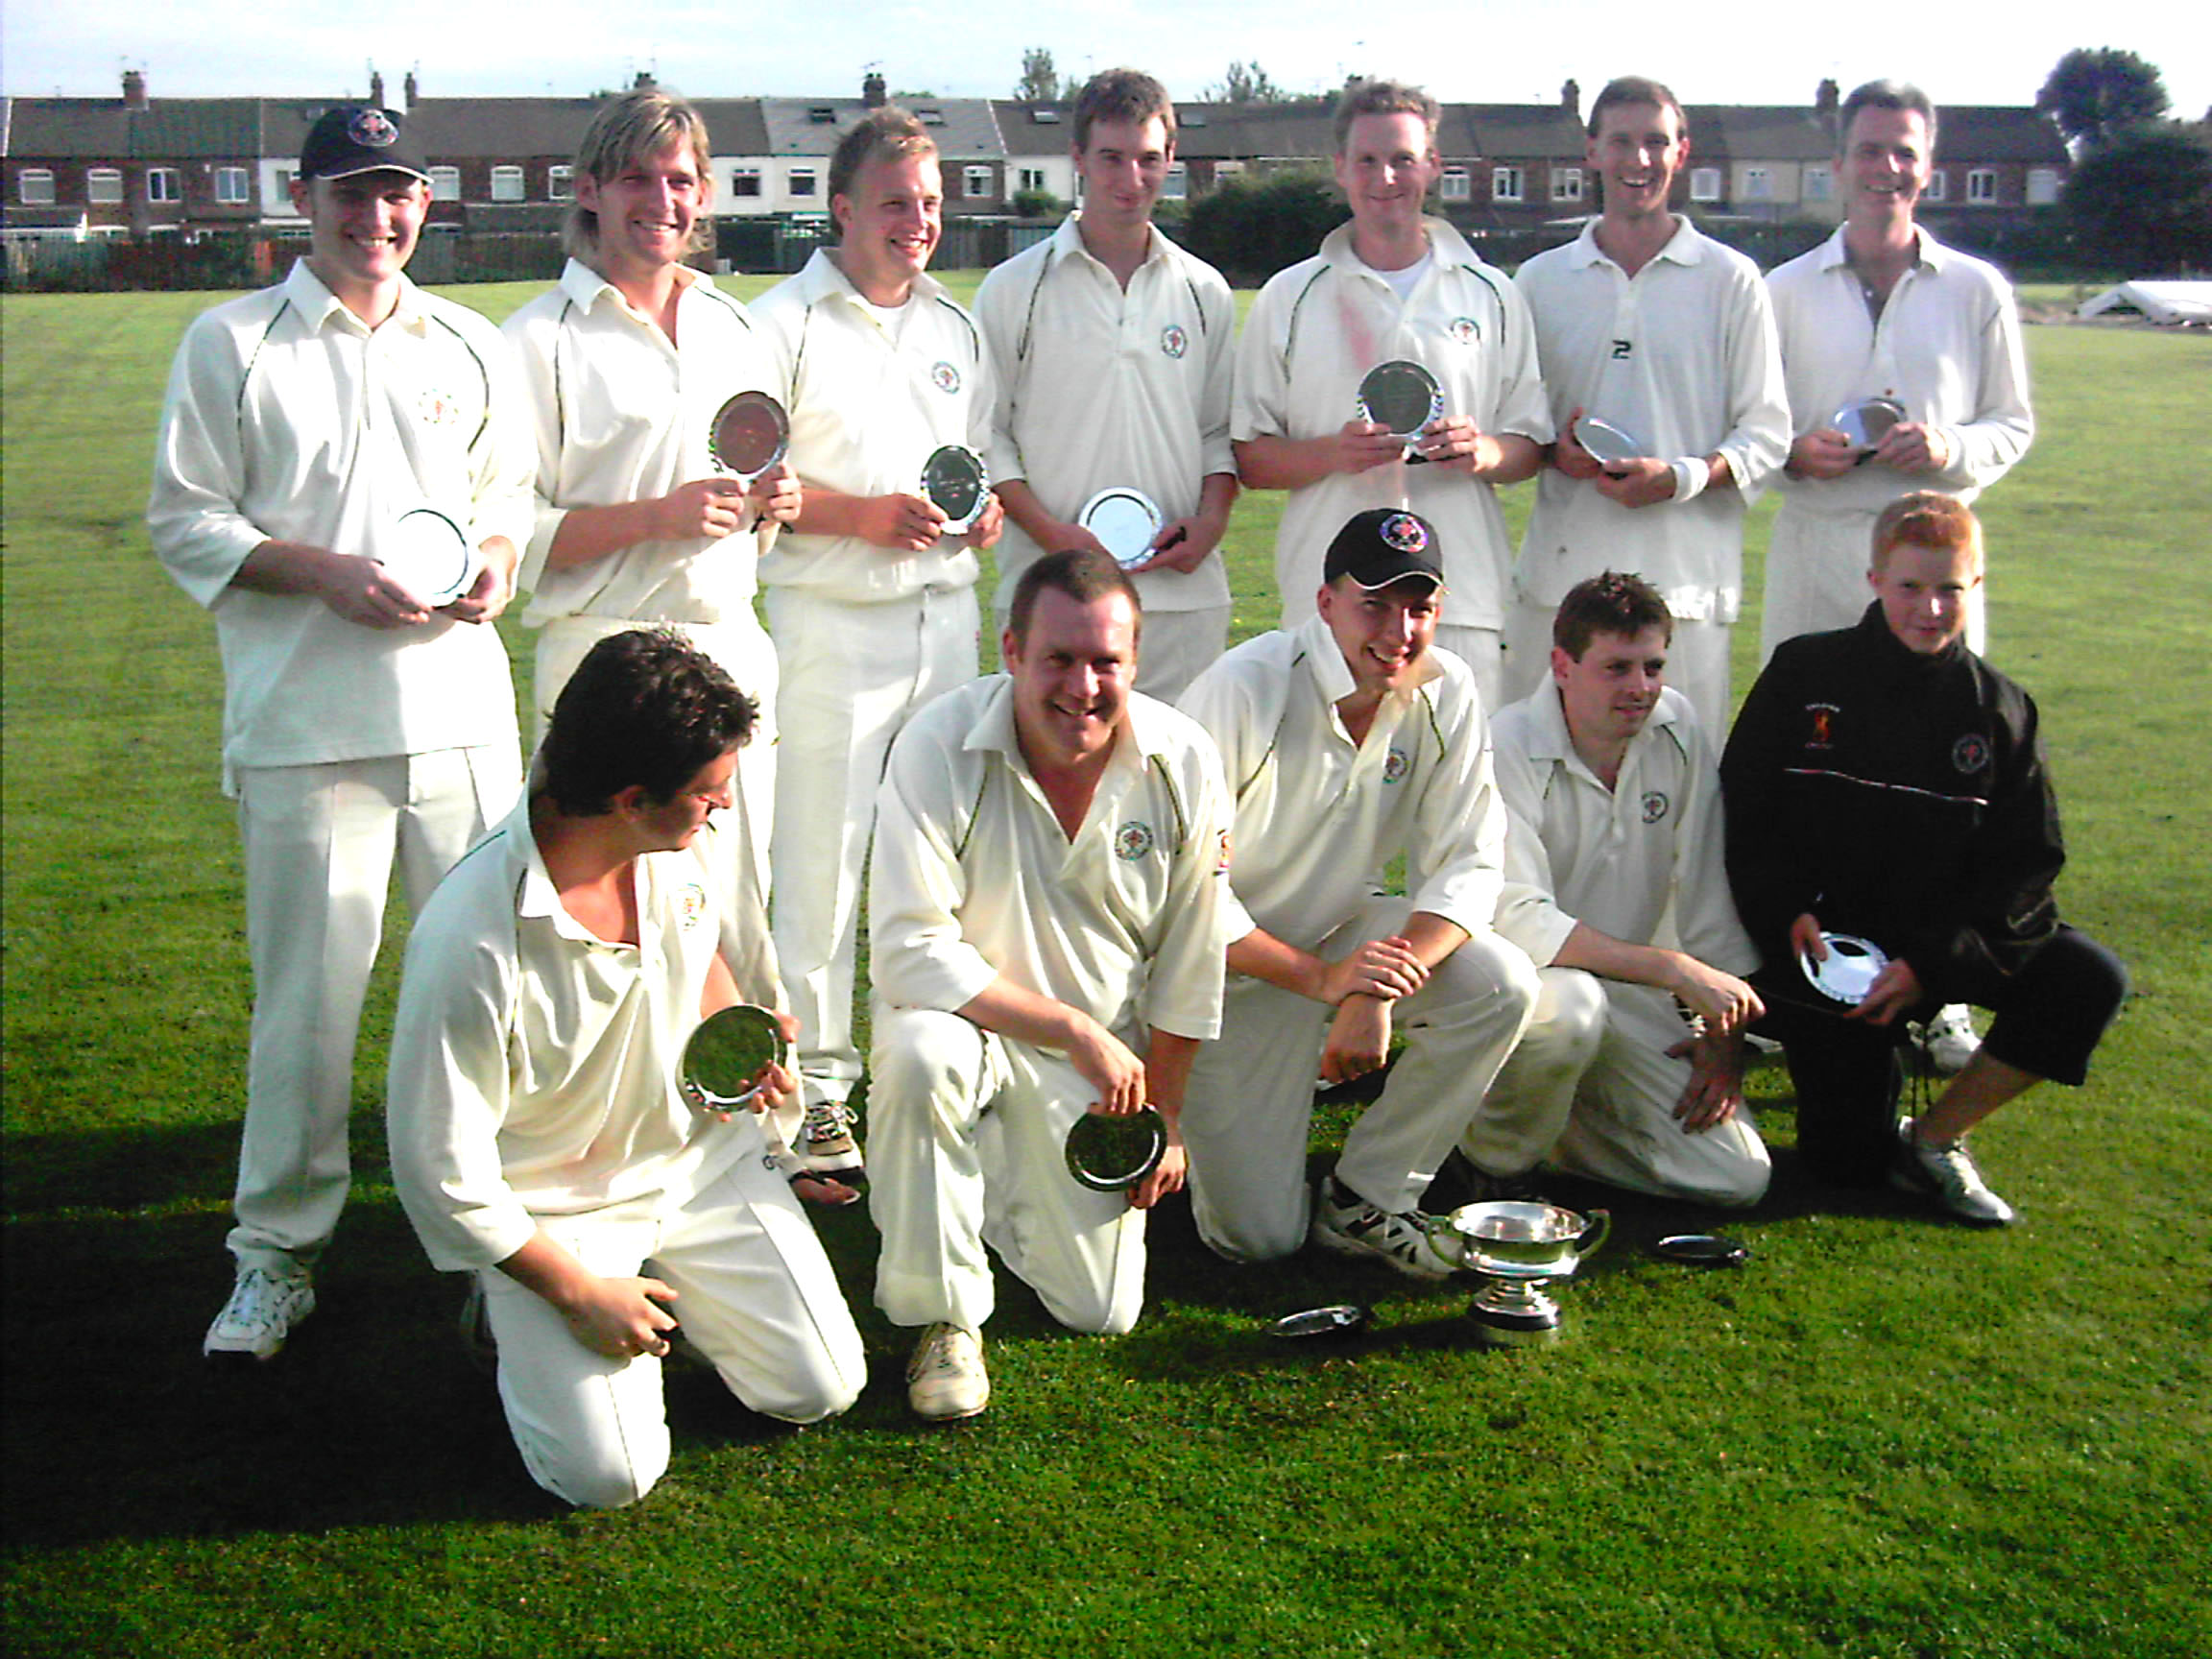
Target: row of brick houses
[(139, 165)]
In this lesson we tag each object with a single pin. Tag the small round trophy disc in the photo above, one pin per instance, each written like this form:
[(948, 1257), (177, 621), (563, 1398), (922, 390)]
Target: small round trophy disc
[(1607, 445), (1329, 1324), (1113, 1154), (1867, 422), (953, 477), (1849, 970), (1125, 521), (750, 433), (429, 554), (1400, 396), (1703, 1250), (726, 1054)]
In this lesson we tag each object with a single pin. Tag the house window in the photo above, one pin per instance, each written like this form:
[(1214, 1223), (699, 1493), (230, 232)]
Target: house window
[(1704, 183), (1566, 184), (1758, 184), (1178, 182), (1981, 185), (560, 184), (507, 185), (164, 184), (103, 186), (445, 184), (976, 183), (34, 188), (1938, 186), (1504, 184), (2042, 187), (1032, 178), (1454, 185), (232, 186), (803, 181), (745, 181), (1819, 184)]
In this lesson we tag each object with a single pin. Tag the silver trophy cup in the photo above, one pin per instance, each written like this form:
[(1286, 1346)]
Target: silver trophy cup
[(1517, 1248)]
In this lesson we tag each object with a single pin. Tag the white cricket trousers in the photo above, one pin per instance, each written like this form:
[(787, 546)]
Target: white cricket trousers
[(853, 675), (1816, 578), (1250, 1110), (967, 1146), (754, 1293), (320, 843), (1590, 1091)]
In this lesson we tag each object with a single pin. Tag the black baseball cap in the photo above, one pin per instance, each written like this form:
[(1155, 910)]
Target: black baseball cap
[(1382, 545), (358, 138)]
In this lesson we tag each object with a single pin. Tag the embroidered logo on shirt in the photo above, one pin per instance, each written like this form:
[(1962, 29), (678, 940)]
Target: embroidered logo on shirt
[(1395, 765), (1221, 860), (1133, 841), (1464, 329), (372, 128), (1654, 805), (945, 376), (1404, 533), (1970, 753), (1173, 341), (438, 407), (691, 905), (1823, 725)]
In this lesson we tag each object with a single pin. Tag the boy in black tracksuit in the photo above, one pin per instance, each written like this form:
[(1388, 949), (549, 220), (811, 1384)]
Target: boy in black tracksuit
[(1884, 780)]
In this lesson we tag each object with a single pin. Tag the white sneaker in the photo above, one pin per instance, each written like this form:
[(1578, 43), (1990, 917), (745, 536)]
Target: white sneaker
[(945, 1380), (1348, 1224), (1949, 1039), (1946, 1174), (262, 1310), (827, 1142)]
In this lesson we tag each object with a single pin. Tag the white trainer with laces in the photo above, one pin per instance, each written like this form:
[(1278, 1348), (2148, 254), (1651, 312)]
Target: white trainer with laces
[(945, 1380), (262, 1310), (1348, 1224), (1946, 1174), (827, 1142)]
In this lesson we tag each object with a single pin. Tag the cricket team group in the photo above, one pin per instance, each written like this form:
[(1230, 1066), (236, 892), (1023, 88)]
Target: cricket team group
[(1135, 869)]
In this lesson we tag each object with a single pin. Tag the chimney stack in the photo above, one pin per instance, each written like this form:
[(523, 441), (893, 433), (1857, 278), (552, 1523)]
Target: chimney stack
[(1571, 99), (644, 81), (375, 87), (135, 89), (1828, 99), (874, 93), (407, 88)]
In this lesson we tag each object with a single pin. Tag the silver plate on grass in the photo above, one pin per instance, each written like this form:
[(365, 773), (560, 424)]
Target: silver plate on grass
[(725, 1055), (750, 433), (1607, 445), (1703, 1250), (429, 555), (954, 478), (1125, 521), (1332, 1323), (1867, 422), (1849, 970)]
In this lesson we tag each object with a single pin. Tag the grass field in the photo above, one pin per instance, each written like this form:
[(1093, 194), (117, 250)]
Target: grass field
[(1885, 1436)]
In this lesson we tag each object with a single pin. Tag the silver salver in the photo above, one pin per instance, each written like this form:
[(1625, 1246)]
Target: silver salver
[(1403, 398), (1867, 422), (1125, 523), (1112, 1154), (726, 1055), (954, 478), (1607, 445), (429, 554), (750, 433), (1849, 970)]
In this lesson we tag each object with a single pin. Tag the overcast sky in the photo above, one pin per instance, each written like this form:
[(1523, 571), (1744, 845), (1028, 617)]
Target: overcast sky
[(1482, 53)]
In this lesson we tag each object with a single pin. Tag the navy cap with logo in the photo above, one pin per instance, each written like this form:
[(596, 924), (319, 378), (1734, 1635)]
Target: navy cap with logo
[(1382, 545), (358, 138)]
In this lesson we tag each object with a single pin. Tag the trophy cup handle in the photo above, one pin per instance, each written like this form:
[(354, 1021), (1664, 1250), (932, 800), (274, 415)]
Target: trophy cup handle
[(1594, 1234), (1449, 1243)]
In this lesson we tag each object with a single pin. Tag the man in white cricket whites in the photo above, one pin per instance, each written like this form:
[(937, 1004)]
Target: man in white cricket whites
[(1650, 325), (1882, 309), (1393, 284), (1350, 742), (1111, 349), (1615, 886), (540, 1139), (361, 724), (626, 363), (1045, 926), (871, 603)]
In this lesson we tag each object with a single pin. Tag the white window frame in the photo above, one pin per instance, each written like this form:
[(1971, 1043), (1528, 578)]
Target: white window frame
[(233, 186), (1506, 183), (1176, 186), (1982, 186), (803, 181), (976, 183), (560, 182), (1819, 184), (164, 186), (1566, 184), (2042, 187), (745, 181), (1704, 183), (104, 186), (1032, 179), (1758, 184), (445, 184), (508, 184), (1938, 186), (34, 187), (1455, 185)]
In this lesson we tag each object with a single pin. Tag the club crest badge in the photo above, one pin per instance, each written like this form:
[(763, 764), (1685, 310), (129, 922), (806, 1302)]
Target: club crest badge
[(691, 905), (1221, 860), (944, 377), (1404, 533), (1970, 753), (1132, 841), (372, 130), (1395, 765), (1464, 329), (1823, 716), (1173, 341), (438, 407), (1654, 805)]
